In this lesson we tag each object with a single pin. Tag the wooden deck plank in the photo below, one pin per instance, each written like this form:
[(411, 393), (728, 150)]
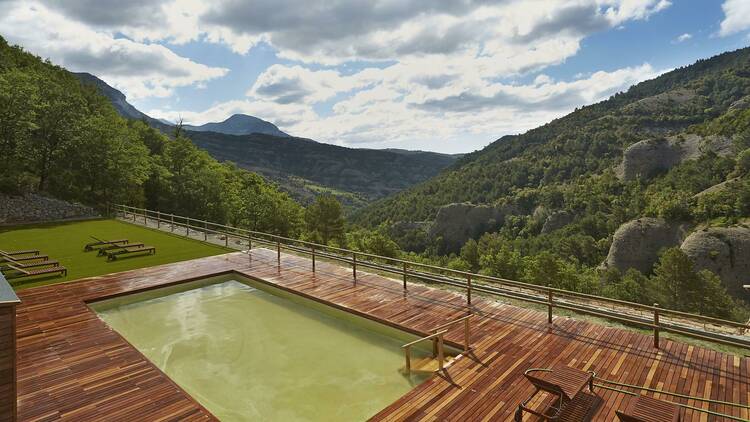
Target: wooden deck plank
[(71, 366)]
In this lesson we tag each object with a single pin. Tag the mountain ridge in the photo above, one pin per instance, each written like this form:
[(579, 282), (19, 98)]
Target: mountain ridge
[(303, 167), (239, 124)]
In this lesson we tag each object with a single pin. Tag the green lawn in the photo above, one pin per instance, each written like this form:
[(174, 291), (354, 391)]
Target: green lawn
[(65, 241)]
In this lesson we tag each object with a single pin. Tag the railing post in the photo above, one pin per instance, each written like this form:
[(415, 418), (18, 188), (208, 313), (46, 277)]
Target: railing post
[(441, 354), (145, 218), (312, 249), (354, 265), (467, 334), (278, 252), (407, 351), (158, 219), (205, 231), (171, 219), (405, 269), (226, 239), (249, 241), (187, 226), (468, 289), (656, 325), (133, 212), (549, 305)]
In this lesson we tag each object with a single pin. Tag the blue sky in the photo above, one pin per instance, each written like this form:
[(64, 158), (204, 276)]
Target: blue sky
[(443, 75)]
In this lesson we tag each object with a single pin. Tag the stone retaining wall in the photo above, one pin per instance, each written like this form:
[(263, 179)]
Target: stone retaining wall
[(33, 207)]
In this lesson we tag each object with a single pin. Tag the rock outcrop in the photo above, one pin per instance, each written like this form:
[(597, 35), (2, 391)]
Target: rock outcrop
[(724, 251), (741, 104), (457, 223), (636, 244), (32, 208), (680, 97), (647, 158), (557, 220)]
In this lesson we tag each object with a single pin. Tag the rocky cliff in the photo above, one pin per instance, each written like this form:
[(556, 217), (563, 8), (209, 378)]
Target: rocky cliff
[(636, 244), (457, 223), (724, 251), (647, 158)]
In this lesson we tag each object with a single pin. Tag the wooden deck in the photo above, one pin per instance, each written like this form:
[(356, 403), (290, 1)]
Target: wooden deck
[(71, 366)]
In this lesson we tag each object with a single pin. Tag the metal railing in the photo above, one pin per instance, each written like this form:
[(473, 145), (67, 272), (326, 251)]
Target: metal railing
[(654, 317)]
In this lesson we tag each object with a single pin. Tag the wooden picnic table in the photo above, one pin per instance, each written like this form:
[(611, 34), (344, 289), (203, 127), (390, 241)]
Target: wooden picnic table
[(648, 409), (564, 382)]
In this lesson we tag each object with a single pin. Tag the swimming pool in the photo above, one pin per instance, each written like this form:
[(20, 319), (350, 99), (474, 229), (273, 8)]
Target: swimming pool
[(247, 351)]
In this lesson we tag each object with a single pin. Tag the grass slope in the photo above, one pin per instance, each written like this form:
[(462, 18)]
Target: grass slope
[(65, 241)]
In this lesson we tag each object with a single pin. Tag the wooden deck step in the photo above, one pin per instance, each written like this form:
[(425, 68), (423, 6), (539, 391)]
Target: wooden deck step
[(427, 364)]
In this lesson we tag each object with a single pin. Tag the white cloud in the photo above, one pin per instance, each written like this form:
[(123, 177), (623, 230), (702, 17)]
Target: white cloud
[(283, 115), (141, 70), (736, 17), (296, 84), (682, 38), (334, 32), (439, 62), (398, 110)]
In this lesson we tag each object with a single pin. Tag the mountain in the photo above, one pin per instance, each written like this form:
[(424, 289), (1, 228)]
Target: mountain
[(239, 124), (611, 198), (305, 167), (302, 167), (586, 143), (116, 97)]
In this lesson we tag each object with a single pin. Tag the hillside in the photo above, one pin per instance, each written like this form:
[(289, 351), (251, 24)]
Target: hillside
[(302, 167), (602, 191), (64, 138), (586, 142), (367, 174)]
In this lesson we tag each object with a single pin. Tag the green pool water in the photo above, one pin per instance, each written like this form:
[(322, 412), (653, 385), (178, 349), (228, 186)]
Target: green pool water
[(248, 352)]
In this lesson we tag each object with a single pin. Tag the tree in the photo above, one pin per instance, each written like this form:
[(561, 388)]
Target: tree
[(470, 254), (325, 219), (58, 123), (677, 285), (18, 98), (502, 261), (372, 241)]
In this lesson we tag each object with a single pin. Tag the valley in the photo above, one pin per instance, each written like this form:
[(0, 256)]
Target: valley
[(302, 167)]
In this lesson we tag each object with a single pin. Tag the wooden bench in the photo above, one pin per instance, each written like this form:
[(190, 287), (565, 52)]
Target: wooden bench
[(103, 250), (112, 255), (563, 382), (648, 409), (91, 246), (23, 272)]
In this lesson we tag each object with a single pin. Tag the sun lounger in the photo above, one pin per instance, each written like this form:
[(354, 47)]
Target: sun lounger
[(15, 253), (25, 272), (93, 245), (10, 258), (103, 250), (647, 409), (113, 254), (24, 265)]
